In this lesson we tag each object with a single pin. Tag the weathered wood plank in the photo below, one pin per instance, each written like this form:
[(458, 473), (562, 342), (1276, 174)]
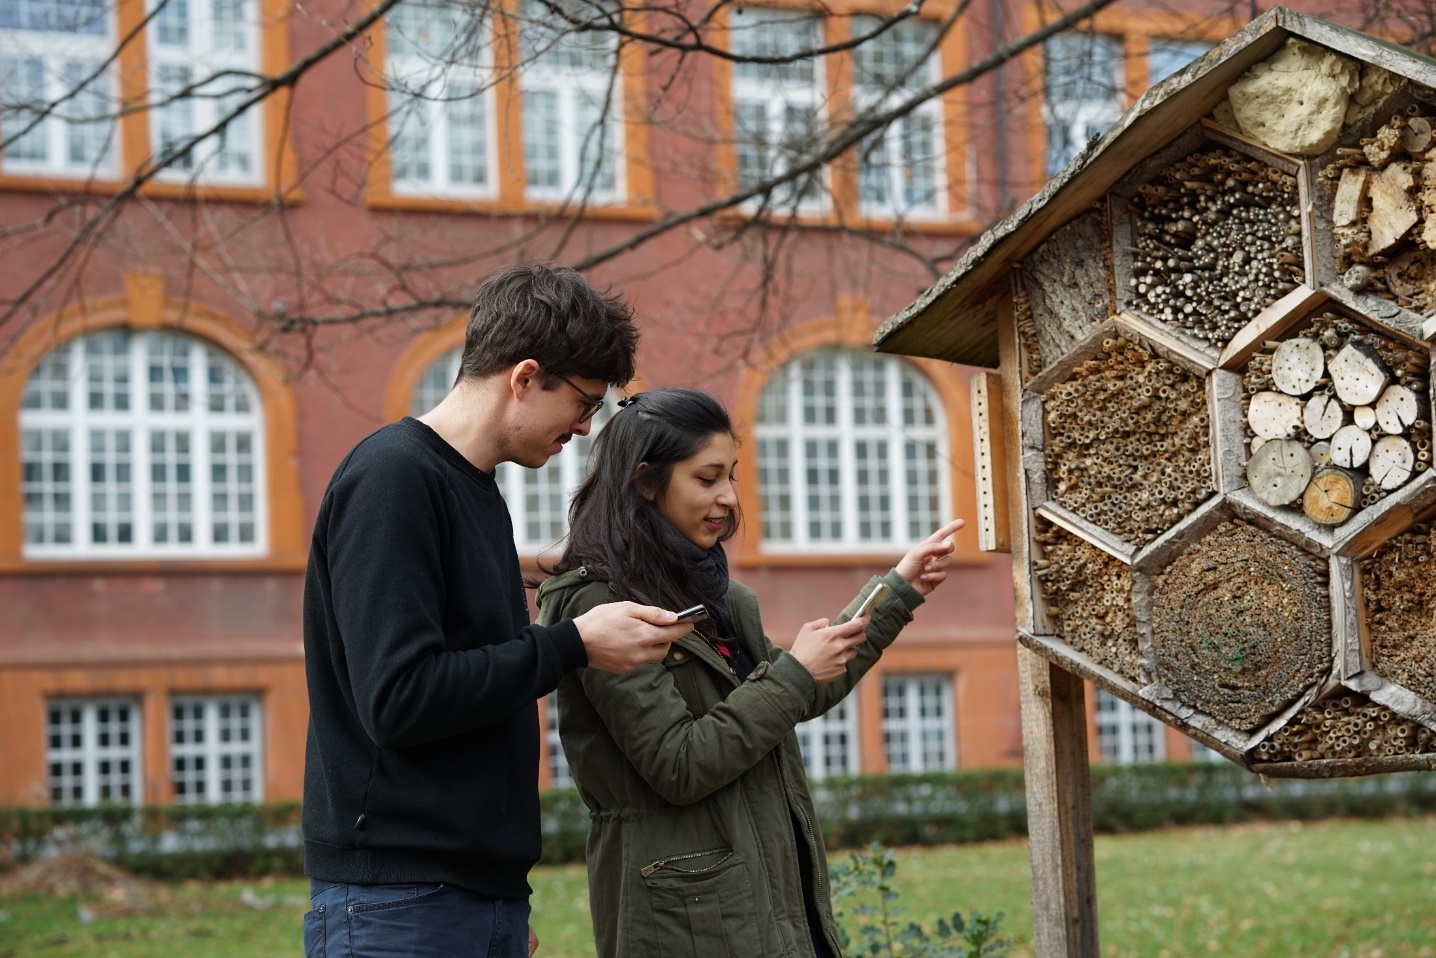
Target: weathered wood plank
[(1059, 809), (1270, 323), (1345, 767), (1348, 618), (1065, 657), (1086, 531), (990, 457)]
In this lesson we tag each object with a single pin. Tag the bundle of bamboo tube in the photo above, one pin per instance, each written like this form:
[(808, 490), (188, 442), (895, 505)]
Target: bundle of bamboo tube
[(1129, 446), (1089, 593), (1345, 724), (1216, 239), (1398, 588)]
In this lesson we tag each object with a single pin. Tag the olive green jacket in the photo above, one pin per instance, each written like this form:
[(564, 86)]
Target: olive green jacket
[(693, 781)]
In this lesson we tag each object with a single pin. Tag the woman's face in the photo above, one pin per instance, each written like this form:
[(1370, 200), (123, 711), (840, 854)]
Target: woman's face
[(702, 492)]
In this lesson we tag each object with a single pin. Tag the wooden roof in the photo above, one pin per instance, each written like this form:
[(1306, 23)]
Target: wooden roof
[(955, 319)]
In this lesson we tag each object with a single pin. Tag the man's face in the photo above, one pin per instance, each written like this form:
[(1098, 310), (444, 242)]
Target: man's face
[(550, 418)]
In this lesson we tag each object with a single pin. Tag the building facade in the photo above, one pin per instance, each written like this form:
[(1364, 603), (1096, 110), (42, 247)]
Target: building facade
[(209, 299)]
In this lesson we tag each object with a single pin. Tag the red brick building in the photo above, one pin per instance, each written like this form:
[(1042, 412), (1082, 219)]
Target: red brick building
[(167, 436)]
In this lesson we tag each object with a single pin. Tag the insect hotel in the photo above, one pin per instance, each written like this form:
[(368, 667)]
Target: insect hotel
[(1208, 445)]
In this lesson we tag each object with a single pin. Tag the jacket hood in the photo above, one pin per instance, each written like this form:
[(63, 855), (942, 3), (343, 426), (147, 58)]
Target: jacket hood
[(560, 588)]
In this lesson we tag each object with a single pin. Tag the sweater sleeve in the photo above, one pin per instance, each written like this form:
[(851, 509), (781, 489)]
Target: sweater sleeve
[(682, 758), (388, 591)]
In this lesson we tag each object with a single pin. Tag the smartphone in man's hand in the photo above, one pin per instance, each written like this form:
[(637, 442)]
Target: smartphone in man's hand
[(695, 614)]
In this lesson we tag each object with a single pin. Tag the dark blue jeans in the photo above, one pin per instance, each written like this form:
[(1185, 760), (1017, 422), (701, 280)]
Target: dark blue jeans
[(413, 921)]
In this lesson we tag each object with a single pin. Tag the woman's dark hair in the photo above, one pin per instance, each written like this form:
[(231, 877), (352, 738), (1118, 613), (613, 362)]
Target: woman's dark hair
[(614, 529)]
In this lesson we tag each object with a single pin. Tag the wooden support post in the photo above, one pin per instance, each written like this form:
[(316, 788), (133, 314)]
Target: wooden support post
[(1059, 809), (1054, 729)]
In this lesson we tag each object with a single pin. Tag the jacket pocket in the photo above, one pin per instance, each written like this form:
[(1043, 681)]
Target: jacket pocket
[(702, 904)]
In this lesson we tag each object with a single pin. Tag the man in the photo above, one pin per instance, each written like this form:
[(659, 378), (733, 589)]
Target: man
[(421, 817)]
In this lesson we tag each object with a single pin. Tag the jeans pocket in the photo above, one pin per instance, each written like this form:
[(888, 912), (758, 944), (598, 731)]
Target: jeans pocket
[(702, 904), (372, 898), (315, 933)]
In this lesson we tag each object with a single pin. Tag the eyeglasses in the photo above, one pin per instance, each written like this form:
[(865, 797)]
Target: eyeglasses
[(591, 403)]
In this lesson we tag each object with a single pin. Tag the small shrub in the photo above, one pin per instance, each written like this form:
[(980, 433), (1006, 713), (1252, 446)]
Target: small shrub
[(866, 879)]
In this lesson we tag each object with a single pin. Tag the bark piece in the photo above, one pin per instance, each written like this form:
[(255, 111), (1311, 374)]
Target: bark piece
[(1331, 496), (1274, 415), (1322, 416), (1296, 366), (1393, 207), (1358, 374), (1279, 472), (1392, 460), (1350, 193), (1428, 202), (1396, 410), (1350, 447)]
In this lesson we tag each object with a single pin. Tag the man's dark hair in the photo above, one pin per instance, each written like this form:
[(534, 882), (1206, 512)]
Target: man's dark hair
[(552, 315)]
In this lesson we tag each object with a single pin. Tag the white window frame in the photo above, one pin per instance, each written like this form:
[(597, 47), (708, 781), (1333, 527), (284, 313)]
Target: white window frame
[(213, 749), (79, 423), (1204, 755), (783, 393), (829, 743), (915, 728), (204, 56), (425, 88), (1071, 123), (758, 88), (64, 57), (88, 757), (553, 66), (1126, 735), (886, 151), (560, 776), (524, 490)]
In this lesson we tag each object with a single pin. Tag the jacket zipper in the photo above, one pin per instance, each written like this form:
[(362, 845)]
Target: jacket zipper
[(662, 863), (813, 854)]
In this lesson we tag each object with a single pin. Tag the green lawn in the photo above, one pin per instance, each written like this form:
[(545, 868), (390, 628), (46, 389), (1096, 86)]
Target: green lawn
[(1337, 889)]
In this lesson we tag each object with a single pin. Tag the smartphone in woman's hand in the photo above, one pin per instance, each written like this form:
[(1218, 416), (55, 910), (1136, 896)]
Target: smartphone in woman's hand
[(872, 599)]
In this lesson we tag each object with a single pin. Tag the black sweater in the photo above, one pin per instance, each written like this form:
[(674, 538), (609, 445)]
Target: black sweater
[(423, 671)]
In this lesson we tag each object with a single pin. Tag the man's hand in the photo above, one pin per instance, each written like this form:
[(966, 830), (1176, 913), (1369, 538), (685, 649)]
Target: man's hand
[(825, 650), (621, 636), (533, 941), (925, 565)]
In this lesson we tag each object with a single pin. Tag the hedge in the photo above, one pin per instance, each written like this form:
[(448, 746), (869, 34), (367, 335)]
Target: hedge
[(240, 841)]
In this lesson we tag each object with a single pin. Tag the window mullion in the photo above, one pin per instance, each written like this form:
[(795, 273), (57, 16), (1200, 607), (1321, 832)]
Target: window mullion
[(897, 450), (199, 445), (847, 453), (797, 457), (142, 528), (80, 535), (211, 750)]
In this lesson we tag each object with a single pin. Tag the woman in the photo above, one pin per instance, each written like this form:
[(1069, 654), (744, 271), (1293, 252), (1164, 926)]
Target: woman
[(702, 840)]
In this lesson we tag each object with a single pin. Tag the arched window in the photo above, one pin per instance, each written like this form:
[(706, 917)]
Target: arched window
[(851, 448), (139, 445), (537, 498)]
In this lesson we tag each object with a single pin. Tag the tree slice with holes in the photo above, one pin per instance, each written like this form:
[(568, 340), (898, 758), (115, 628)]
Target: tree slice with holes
[(1350, 447), (1392, 462), (1296, 366), (1274, 415), (1320, 454), (1396, 410), (1408, 273), (1364, 417), (1358, 375), (1322, 416), (1331, 496), (1279, 471), (1416, 139)]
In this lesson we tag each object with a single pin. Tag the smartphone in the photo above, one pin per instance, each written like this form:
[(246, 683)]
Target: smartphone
[(878, 591), (696, 614)]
